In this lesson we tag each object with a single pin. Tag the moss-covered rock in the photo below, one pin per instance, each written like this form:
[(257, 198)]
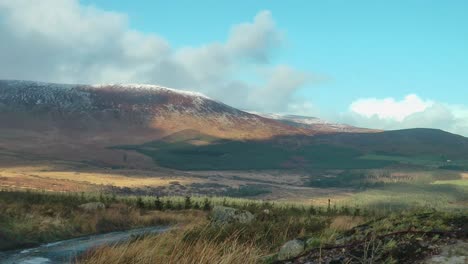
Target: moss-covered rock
[(222, 215), (291, 249)]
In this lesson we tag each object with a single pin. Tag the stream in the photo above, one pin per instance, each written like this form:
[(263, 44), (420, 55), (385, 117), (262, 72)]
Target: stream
[(66, 251)]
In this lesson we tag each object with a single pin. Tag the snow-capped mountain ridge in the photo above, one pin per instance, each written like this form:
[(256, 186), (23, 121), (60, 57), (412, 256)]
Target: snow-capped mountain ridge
[(136, 86), (169, 110), (312, 123), (298, 118), (84, 97)]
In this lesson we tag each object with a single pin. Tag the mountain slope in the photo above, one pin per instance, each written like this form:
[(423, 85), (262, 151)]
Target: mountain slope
[(315, 124), (187, 130), (80, 121), (405, 142), (428, 148), (149, 106)]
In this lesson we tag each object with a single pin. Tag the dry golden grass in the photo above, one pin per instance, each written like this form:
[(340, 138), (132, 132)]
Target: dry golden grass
[(65, 176), (175, 122), (342, 223), (36, 223), (111, 179), (60, 177), (172, 247)]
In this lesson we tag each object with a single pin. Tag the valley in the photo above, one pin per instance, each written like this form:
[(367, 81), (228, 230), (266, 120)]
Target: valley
[(233, 132), (149, 155)]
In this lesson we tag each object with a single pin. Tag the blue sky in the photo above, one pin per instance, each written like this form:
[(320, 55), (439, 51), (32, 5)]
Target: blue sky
[(366, 48), (381, 64)]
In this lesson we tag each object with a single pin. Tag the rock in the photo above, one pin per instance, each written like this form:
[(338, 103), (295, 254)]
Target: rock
[(49, 212), (343, 241), (291, 249), (222, 215), (91, 207), (455, 253), (313, 242)]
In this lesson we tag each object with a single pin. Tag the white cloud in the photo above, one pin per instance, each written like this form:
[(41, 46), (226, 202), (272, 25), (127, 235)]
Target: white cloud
[(412, 111), (255, 40), (389, 108), (64, 41), (282, 82)]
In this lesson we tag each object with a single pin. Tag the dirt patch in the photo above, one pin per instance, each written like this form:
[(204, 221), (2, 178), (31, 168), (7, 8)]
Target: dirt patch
[(464, 176)]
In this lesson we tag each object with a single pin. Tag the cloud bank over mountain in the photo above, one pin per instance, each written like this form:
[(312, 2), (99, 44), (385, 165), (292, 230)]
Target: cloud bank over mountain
[(409, 112), (64, 41)]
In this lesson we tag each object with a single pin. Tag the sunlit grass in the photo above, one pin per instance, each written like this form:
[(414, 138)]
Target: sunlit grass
[(454, 182), (406, 195)]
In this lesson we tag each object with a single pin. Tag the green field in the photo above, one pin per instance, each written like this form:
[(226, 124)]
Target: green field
[(425, 148), (248, 155), (408, 195), (421, 160)]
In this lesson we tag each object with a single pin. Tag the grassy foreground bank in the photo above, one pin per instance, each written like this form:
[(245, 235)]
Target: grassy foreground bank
[(30, 218)]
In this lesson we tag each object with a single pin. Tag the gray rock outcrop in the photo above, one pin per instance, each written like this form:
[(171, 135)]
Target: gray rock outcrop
[(222, 215)]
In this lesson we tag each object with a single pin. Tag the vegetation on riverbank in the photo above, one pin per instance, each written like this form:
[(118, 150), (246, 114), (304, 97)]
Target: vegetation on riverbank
[(29, 218), (401, 237)]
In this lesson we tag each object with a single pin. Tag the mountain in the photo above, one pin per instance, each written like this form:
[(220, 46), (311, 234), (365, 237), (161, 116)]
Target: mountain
[(74, 120), (99, 124), (314, 124), (154, 107)]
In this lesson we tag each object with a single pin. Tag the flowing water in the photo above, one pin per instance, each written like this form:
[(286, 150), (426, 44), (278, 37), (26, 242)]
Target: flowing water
[(66, 251)]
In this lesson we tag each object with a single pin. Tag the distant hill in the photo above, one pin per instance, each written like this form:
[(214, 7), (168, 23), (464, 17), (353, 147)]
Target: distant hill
[(406, 142), (315, 124), (187, 130), (190, 150)]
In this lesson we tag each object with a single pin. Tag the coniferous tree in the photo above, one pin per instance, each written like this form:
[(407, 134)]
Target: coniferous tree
[(168, 205), (187, 202), (158, 205), (357, 211), (319, 210), (312, 210), (206, 205), (345, 210), (139, 203)]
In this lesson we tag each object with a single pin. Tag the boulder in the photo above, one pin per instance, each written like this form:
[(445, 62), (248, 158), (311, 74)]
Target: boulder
[(222, 215), (291, 249), (313, 242), (453, 253), (91, 207)]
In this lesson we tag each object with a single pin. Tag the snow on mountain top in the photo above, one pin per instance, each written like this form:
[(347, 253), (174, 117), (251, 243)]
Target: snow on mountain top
[(17, 83), (296, 118), (117, 85), (152, 87)]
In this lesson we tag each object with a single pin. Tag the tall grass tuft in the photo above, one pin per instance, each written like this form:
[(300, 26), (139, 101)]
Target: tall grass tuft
[(173, 247)]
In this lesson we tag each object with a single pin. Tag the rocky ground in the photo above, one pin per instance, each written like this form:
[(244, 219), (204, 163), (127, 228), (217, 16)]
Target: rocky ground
[(427, 239)]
